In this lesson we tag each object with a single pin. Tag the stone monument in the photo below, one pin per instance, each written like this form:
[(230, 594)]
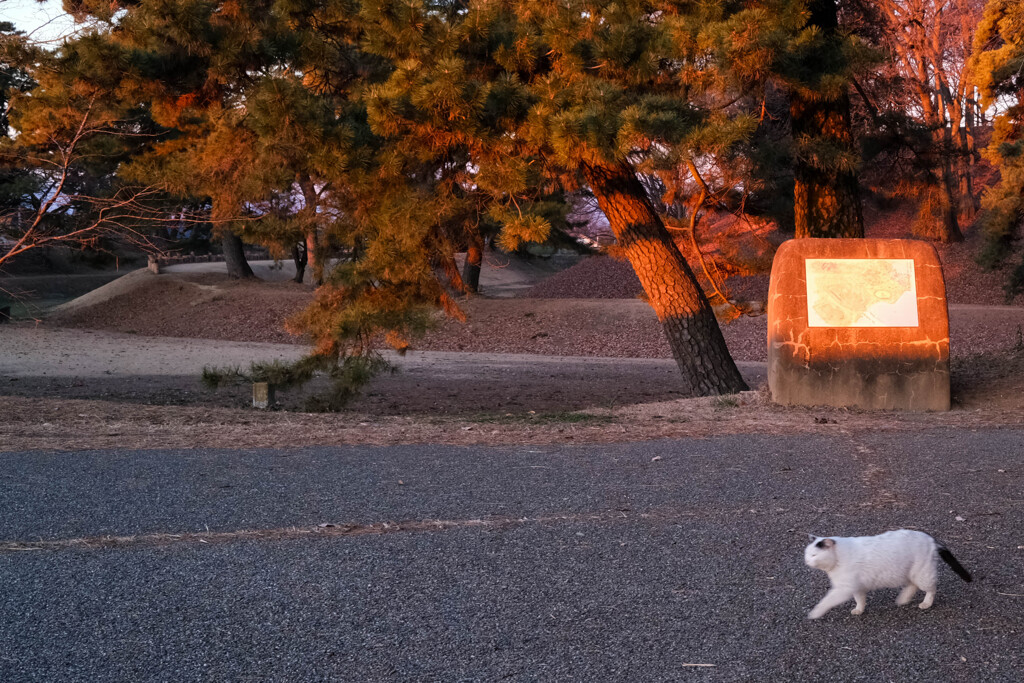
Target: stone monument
[(860, 323)]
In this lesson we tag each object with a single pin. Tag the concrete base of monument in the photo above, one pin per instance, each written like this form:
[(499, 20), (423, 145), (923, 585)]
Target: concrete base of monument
[(870, 385), (858, 323)]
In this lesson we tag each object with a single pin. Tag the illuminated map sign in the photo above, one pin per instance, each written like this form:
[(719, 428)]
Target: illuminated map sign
[(861, 293)]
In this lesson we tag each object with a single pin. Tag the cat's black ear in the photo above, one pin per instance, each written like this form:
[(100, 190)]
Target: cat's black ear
[(825, 543)]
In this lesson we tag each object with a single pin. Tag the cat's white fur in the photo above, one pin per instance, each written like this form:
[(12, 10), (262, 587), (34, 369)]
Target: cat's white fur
[(896, 559)]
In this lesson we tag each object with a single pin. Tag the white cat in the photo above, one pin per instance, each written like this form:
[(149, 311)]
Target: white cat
[(896, 559)]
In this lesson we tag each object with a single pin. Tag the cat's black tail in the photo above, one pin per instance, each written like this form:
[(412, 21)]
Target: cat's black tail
[(948, 558)]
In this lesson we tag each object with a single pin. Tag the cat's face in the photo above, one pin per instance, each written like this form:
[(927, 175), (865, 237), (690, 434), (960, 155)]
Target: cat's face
[(820, 553)]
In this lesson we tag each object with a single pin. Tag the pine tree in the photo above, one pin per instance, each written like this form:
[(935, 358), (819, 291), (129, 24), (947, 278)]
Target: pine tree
[(200, 67), (826, 194), (525, 97), (998, 67), (410, 129)]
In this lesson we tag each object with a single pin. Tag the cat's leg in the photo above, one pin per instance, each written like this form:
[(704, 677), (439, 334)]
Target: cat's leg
[(929, 591), (861, 597), (833, 598), (906, 595)]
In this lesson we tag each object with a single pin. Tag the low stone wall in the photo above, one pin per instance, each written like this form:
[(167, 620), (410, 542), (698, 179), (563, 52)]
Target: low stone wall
[(158, 262), (250, 254)]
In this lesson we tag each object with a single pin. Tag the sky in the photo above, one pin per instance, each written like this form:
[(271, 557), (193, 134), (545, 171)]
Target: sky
[(44, 21)]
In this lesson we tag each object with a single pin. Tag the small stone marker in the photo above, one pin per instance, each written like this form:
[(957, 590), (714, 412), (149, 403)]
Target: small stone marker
[(858, 322), (153, 264), (262, 395)]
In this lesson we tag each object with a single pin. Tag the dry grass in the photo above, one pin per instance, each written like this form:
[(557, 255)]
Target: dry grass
[(58, 424)]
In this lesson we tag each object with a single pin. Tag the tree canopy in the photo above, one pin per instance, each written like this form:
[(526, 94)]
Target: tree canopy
[(389, 136)]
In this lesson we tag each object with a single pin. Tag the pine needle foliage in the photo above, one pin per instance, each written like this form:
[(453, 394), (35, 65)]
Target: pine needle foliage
[(346, 377), (16, 54), (998, 67)]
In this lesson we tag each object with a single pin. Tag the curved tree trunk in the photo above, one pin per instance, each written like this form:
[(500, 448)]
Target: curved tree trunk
[(674, 294), (826, 201), (234, 255)]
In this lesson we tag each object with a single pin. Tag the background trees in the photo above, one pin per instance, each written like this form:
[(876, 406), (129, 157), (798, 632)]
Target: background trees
[(73, 133), (15, 178), (998, 66), (923, 89)]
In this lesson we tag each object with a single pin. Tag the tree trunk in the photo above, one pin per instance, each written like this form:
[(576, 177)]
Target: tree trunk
[(313, 256), (672, 290), (970, 203), (316, 263), (300, 258), (234, 255), (826, 201), (949, 229), (474, 260)]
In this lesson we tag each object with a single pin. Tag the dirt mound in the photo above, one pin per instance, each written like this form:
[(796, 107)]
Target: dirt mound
[(596, 277), (624, 328), (126, 284), (204, 306), (603, 277)]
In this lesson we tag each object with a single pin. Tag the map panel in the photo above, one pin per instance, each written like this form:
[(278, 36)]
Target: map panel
[(861, 293)]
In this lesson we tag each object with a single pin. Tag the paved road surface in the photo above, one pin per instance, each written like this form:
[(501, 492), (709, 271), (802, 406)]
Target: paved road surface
[(598, 563)]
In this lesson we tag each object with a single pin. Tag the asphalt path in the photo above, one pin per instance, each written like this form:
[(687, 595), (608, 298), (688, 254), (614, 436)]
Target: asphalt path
[(660, 561)]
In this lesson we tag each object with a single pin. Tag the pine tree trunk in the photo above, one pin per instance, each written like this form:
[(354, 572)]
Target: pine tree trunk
[(672, 290), (952, 148), (313, 256), (299, 256), (474, 261), (969, 204), (826, 201), (234, 256)]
